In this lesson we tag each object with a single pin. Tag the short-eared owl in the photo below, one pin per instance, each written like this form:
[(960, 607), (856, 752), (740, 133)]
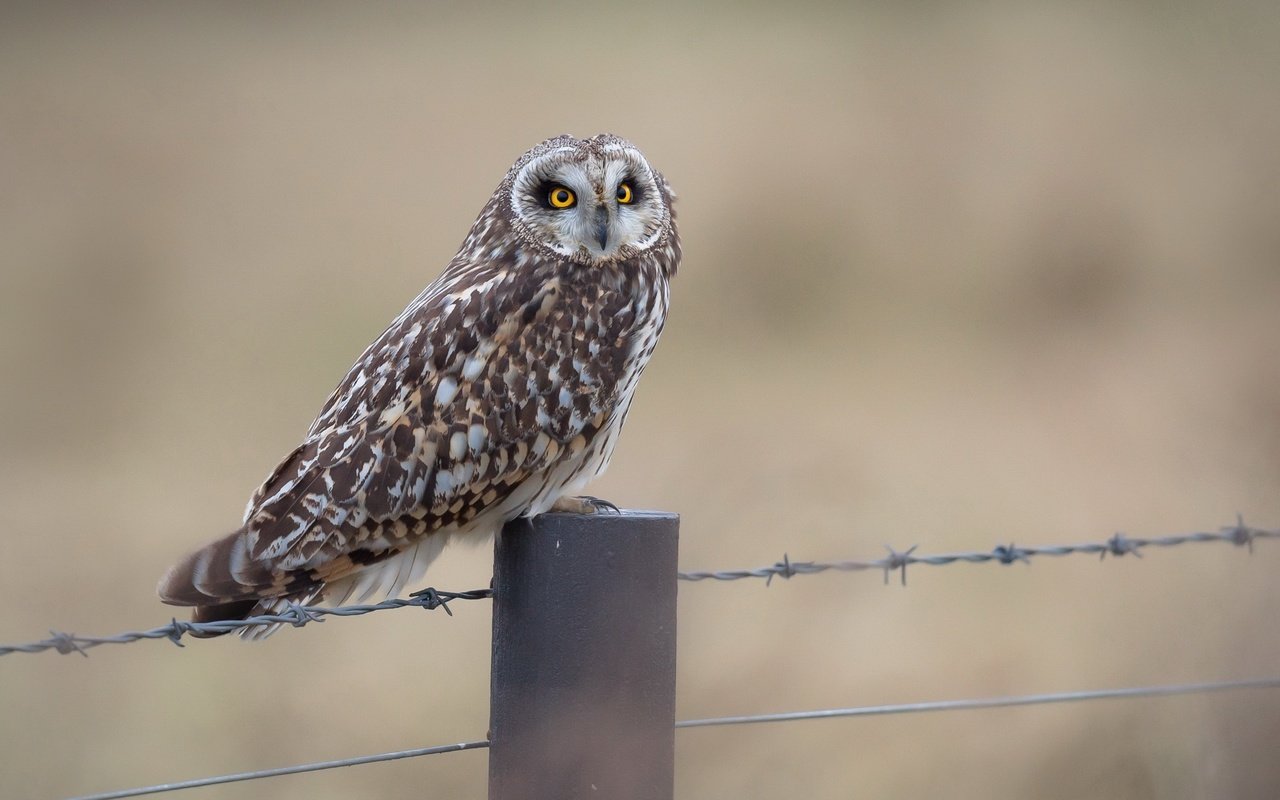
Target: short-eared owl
[(498, 393)]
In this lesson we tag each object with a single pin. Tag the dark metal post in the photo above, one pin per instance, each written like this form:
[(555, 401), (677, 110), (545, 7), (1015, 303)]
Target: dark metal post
[(582, 695)]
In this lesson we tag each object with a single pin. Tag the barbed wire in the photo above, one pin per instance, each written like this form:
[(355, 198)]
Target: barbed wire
[(1239, 534), (970, 704), (294, 615)]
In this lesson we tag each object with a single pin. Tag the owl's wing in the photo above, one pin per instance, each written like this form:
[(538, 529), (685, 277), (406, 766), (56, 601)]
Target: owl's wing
[(479, 385)]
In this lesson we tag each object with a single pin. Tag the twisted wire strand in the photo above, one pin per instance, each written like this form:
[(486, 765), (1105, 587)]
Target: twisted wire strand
[(1119, 544), (294, 615), (1239, 534)]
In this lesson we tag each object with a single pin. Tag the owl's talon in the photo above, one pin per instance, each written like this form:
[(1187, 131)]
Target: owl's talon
[(586, 504), (600, 505)]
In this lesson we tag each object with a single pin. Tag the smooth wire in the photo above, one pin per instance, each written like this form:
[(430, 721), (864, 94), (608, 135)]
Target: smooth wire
[(272, 773), (986, 702), (827, 713)]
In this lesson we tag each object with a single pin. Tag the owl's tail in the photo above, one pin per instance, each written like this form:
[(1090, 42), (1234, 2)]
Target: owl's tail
[(225, 583)]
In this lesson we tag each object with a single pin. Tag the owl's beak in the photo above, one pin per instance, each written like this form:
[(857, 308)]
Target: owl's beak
[(602, 228)]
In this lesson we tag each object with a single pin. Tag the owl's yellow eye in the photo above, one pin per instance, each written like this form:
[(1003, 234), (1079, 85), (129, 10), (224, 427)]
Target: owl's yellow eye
[(625, 195), (560, 197)]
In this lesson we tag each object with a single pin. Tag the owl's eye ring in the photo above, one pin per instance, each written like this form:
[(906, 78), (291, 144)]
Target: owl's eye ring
[(625, 194), (561, 197)]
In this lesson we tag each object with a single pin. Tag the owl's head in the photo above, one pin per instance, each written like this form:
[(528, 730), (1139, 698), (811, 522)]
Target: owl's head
[(589, 200)]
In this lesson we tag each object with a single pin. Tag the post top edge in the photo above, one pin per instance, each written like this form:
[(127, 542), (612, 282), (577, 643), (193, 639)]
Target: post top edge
[(622, 513)]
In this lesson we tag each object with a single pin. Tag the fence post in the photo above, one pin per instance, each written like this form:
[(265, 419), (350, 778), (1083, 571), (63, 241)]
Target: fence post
[(582, 693)]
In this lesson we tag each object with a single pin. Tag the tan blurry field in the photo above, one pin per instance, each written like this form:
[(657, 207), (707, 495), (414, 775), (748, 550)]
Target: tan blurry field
[(954, 277)]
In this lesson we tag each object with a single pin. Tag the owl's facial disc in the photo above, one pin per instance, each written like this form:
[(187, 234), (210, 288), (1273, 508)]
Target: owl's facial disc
[(590, 206)]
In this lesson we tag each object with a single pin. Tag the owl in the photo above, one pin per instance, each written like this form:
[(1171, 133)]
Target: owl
[(499, 392)]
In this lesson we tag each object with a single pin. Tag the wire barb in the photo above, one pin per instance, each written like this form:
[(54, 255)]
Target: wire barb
[(66, 643), (785, 570), (432, 598), (1242, 534), (180, 628), (1121, 545), (1009, 553), (898, 561)]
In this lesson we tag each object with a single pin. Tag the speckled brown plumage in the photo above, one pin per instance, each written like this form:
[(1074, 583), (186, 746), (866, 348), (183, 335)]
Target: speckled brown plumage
[(501, 388)]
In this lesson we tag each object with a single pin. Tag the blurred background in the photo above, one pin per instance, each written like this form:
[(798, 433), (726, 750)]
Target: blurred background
[(954, 277)]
